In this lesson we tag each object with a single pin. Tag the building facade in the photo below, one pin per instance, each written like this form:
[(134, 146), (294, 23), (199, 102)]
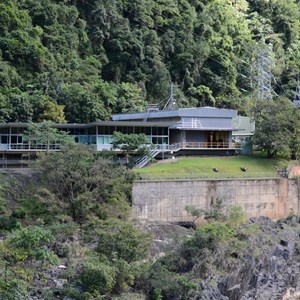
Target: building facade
[(183, 131)]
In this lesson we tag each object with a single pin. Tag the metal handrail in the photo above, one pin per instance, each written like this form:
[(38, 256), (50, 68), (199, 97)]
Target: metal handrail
[(205, 145), (192, 124), (35, 147)]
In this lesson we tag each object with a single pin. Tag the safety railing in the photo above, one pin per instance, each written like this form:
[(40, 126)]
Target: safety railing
[(204, 145), (40, 147)]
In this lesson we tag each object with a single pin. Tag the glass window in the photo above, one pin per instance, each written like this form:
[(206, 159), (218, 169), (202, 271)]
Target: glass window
[(92, 130), (14, 139), (154, 131), (108, 130), (147, 130), (79, 131), (14, 130), (19, 140), (136, 129), (141, 130), (111, 129), (71, 131), (83, 139), (4, 139), (4, 130), (107, 140), (100, 129), (100, 140), (92, 139), (124, 129)]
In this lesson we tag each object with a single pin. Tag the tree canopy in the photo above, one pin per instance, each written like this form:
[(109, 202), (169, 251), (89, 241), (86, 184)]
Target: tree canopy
[(79, 61)]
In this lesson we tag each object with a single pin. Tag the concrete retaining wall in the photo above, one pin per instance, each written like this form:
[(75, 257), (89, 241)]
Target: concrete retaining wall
[(294, 171), (166, 200)]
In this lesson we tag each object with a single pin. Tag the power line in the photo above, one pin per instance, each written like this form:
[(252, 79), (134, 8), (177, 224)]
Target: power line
[(264, 83), (161, 30)]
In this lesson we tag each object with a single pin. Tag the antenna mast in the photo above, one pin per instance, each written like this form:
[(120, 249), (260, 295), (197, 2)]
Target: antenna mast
[(171, 103)]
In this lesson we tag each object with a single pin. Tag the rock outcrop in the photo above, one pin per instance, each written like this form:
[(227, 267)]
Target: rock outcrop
[(270, 268)]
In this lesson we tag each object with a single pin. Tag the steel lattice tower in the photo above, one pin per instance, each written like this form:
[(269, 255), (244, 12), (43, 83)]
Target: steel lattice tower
[(263, 78)]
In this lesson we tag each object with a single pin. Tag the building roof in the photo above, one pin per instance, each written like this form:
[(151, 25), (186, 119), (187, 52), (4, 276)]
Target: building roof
[(98, 123), (207, 112)]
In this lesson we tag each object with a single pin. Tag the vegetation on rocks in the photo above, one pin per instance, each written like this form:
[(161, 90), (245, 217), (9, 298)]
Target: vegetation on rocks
[(65, 234), (65, 231), (230, 258)]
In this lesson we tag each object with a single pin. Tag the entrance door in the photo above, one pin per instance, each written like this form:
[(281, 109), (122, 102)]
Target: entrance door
[(217, 139)]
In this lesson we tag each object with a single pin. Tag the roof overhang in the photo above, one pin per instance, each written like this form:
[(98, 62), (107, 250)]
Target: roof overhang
[(98, 123), (205, 112)]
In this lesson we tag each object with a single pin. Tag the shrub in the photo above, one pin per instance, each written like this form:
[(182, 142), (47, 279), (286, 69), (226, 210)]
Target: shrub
[(9, 223), (19, 213), (97, 277)]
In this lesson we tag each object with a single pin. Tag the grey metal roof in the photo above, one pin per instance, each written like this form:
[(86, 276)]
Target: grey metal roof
[(98, 123), (210, 112)]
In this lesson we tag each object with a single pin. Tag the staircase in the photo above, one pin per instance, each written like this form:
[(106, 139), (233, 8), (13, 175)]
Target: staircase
[(144, 160)]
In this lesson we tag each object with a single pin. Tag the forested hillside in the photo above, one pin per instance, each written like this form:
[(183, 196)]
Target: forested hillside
[(81, 60)]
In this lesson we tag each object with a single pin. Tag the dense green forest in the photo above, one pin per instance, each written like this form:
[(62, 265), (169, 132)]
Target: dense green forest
[(81, 60)]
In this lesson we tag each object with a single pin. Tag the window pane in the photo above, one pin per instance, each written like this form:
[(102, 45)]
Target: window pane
[(4, 130), (100, 140), (4, 139), (92, 130), (14, 130), (154, 131), (92, 139), (100, 129)]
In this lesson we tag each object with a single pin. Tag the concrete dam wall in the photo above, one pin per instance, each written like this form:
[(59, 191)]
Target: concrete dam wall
[(166, 200)]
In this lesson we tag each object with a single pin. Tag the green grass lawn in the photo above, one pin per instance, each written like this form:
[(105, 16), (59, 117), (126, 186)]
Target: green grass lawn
[(202, 167)]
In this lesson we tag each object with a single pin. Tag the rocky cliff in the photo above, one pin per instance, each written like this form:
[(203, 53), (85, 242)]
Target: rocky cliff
[(261, 261)]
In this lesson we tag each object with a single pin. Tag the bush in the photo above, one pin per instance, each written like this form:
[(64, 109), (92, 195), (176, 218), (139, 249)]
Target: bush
[(14, 289), (121, 240), (19, 213), (9, 223), (162, 284), (97, 277)]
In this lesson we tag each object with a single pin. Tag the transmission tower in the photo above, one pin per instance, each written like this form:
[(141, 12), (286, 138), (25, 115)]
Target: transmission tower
[(263, 78)]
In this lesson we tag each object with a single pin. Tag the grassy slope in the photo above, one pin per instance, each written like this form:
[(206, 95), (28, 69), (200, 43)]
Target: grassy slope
[(202, 167)]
